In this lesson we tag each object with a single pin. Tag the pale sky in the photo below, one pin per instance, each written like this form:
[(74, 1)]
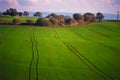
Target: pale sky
[(81, 6)]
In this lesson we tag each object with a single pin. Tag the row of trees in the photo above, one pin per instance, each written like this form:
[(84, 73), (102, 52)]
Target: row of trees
[(57, 20), (60, 20), (14, 12)]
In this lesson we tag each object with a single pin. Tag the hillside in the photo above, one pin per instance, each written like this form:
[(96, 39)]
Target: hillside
[(89, 52)]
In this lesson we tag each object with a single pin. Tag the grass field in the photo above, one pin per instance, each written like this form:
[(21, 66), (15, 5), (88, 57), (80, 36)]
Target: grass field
[(90, 52)]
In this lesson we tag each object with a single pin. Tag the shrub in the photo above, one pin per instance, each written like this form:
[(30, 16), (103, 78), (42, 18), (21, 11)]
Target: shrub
[(16, 21), (43, 22), (30, 22)]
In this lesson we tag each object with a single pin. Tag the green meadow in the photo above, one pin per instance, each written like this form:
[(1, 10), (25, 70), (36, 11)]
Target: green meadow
[(89, 52)]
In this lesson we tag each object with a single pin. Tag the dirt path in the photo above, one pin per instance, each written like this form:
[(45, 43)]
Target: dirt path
[(83, 58)]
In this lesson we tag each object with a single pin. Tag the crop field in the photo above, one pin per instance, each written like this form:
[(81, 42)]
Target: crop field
[(89, 52)]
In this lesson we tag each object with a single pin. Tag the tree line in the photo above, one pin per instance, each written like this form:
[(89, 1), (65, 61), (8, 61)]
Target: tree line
[(56, 20), (14, 12)]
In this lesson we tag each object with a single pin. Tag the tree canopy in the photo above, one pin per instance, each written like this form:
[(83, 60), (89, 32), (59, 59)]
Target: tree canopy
[(26, 13), (89, 17), (99, 16), (38, 14), (77, 17)]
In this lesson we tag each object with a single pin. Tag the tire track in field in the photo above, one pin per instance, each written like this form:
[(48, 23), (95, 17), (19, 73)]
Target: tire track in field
[(84, 59), (31, 62), (101, 34), (81, 36), (34, 45), (106, 28)]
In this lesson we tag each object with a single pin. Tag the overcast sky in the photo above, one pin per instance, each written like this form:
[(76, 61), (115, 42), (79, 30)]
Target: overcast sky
[(82, 6)]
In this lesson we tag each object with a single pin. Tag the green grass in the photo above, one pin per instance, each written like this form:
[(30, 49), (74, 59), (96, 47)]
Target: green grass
[(89, 52), (9, 19)]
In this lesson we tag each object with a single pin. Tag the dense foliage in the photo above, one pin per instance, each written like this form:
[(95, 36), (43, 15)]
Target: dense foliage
[(43, 22), (99, 16)]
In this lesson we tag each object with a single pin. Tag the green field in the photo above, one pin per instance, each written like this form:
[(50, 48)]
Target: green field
[(90, 52)]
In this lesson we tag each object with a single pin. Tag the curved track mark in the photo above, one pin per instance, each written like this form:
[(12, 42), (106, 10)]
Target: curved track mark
[(84, 59), (87, 62), (34, 44), (31, 62), (37, 56), (101, 34)]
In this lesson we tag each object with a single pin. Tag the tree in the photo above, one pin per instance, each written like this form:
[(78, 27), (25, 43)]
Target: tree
[(4, 13), (54, 15), (26, 13), (54, 21), (61, 20), (38, 14), (99, 16), (77, 17), (11, 12), (57, 19), (20, 13), (89, 17)]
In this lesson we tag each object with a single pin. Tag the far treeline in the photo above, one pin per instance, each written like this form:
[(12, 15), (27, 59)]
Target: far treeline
[(54, 19)]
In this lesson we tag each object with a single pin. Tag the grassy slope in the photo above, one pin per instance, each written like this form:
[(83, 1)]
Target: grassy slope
[(98, 42)]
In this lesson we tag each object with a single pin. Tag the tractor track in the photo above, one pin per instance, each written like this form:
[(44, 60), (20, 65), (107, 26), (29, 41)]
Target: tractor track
[(36, 44), (34, 50), (31, 62), (84, 59), (81, 36), (101, 34)]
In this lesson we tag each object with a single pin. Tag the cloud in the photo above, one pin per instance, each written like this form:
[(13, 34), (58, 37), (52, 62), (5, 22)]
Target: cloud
[(9, 2), (5, 4), (117, 2), (63, 5), (38, 2)]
